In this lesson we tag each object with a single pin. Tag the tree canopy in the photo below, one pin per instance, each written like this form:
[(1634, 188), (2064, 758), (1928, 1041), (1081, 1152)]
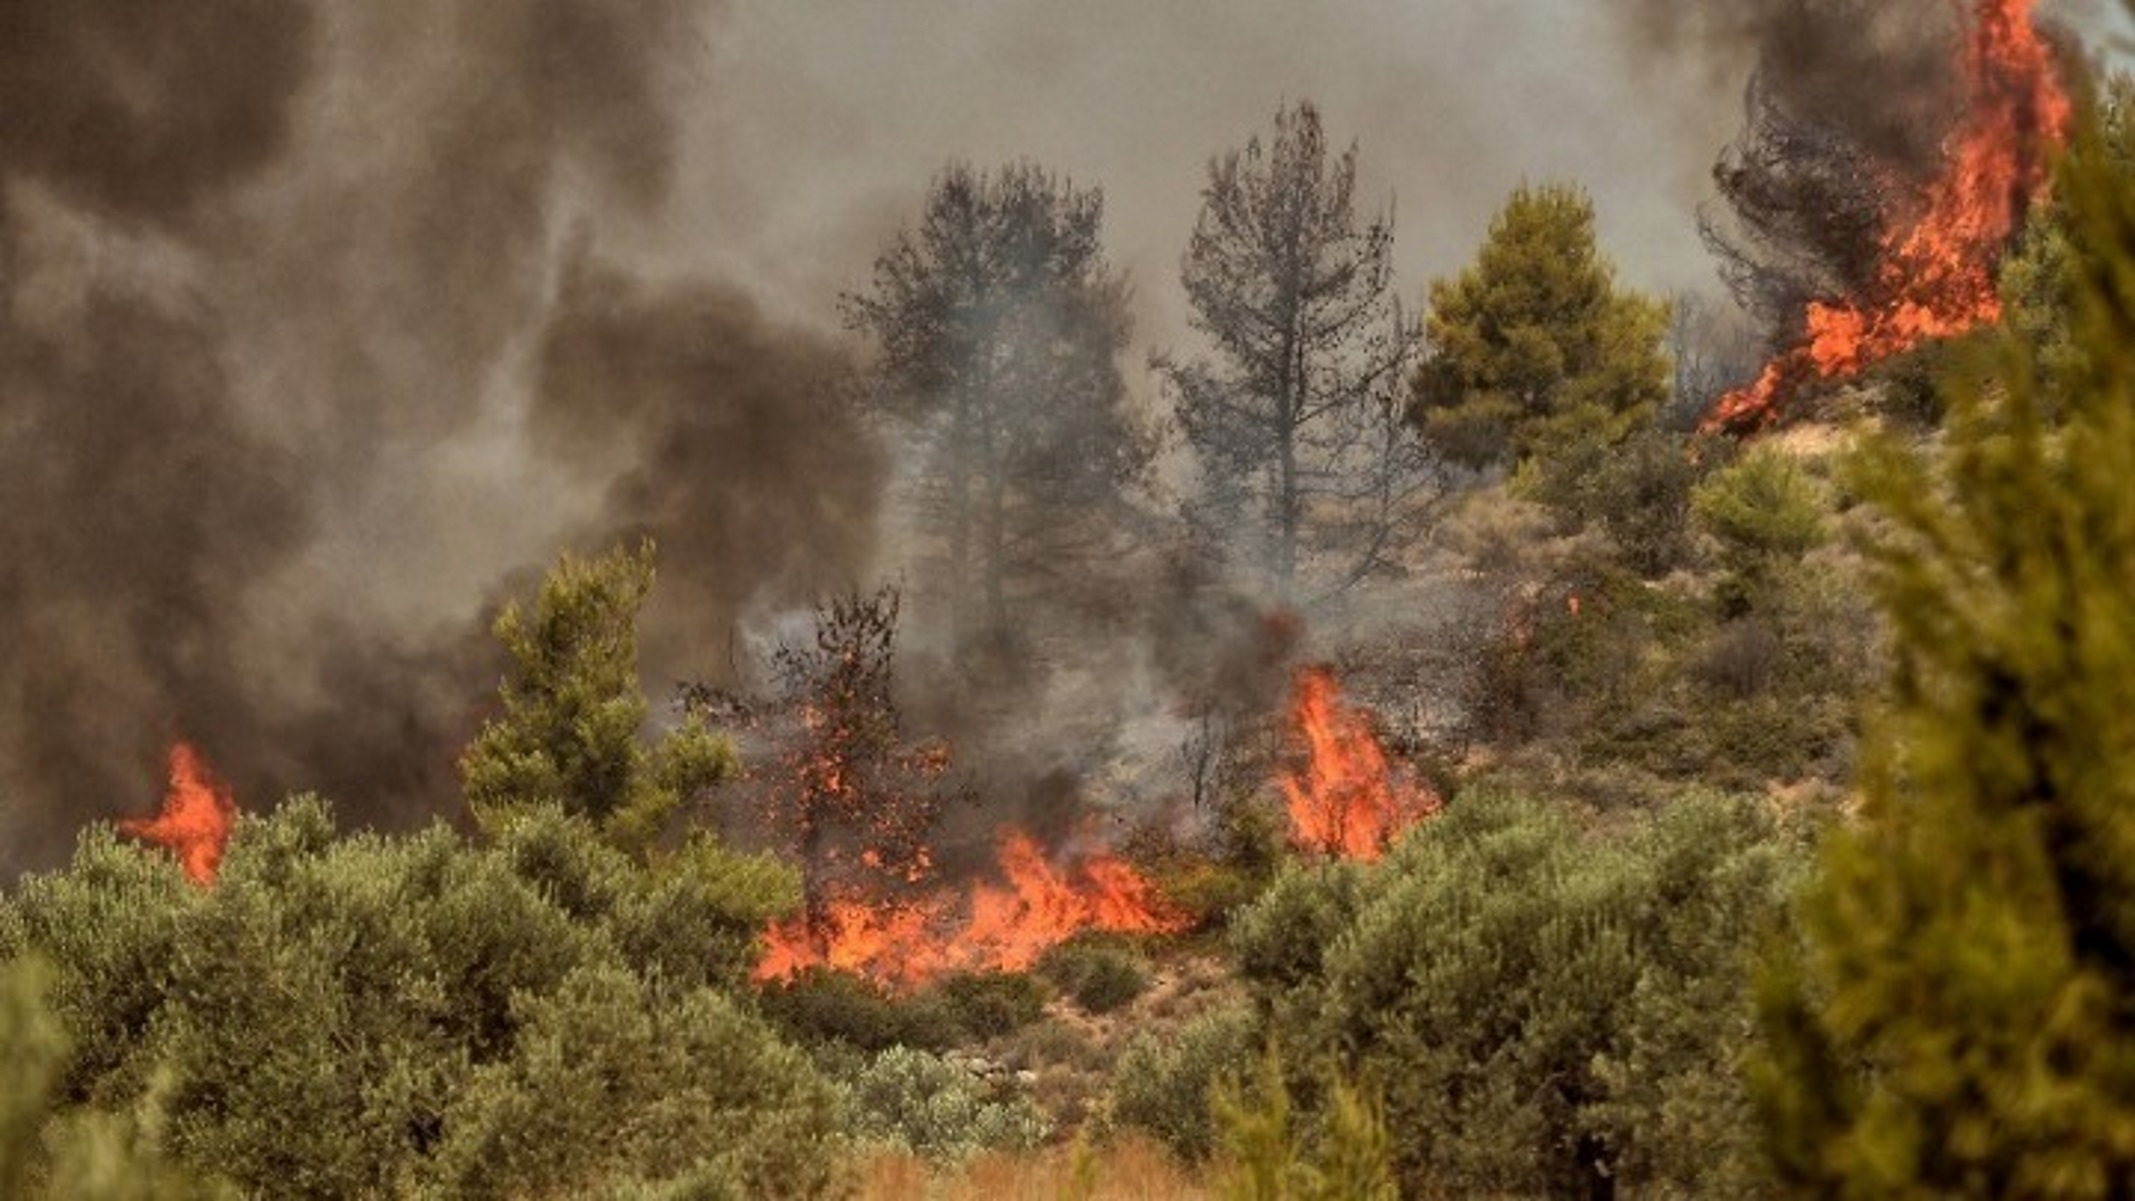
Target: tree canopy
[(1295, 421), (1534, 346), (999, 324)]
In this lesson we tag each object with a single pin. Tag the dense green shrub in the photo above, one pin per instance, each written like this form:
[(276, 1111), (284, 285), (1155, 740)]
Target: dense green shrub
[(1099, 974), (1541, 1007), (608, 1081), (824, 1005), (989, 1004), (908, 1098), (47, 1151), (337, 1014), (1165, 1085)]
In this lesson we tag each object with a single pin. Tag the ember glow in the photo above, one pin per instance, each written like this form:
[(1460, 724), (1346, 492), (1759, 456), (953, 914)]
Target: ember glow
[(998, 925), (196, 818), (1346, 801), (1936, 275)]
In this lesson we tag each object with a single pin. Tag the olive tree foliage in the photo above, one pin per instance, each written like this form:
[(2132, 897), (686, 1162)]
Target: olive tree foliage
[(1307, 471), (1957, 1016), (574, 711), (362, 1015), (1533, 348), (998, 325), (50, 1151), (1542, 1010)]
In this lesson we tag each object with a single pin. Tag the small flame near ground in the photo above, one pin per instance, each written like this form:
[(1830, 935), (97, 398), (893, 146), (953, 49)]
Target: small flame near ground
[(1936, 276), (1346, 801), (1002, 925), (198, 814)]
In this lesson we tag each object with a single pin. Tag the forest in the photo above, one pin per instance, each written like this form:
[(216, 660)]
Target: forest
[(1524, 736)]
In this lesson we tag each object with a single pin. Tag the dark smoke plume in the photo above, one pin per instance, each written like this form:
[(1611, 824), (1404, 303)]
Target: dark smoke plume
[(1847, 107), (747, 464), (135, 505), (1883, 71), (270, 273)]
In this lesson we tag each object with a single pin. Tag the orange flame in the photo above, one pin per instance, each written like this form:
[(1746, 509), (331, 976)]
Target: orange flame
[(196, 818), (1936, 276), (1002, 926), (1347, 801)]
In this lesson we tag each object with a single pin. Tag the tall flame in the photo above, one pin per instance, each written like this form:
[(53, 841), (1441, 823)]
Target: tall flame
[(1002, 926), (1346, 801), (196, 818), (1935, 278)]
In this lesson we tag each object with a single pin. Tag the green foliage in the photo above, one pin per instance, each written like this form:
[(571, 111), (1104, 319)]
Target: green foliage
[(1534, 347), (990, 1004), (1272, 1161), (907, 1098), (1097, 973), (82, 1155), (1540, 1008), (822, 1005), (1954, 1018), (1638, 491), (1762, 507), (368, 1015), (609, 1080), (573, 708), (1166, 1085)]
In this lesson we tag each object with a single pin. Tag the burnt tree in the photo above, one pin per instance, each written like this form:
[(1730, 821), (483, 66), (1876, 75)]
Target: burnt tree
[(999, 324), (1307, 467)]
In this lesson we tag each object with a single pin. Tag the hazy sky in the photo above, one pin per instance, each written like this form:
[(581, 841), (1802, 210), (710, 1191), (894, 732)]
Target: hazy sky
[(820, 124)]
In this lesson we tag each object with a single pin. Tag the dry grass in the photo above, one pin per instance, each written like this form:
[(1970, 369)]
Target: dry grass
[(1128, 1169)]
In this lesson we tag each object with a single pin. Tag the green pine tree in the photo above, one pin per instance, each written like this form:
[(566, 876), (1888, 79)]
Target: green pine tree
[(1957, 1016), (1533, 347), (573, 708)]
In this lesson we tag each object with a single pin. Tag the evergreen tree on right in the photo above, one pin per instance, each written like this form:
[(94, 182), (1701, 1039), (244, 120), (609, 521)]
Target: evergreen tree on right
[(1957, 1014)]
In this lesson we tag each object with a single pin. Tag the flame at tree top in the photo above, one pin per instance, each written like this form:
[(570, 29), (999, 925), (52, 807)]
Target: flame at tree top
[(1346, 801), (196, 819), (1000, 926), (1935, 278)]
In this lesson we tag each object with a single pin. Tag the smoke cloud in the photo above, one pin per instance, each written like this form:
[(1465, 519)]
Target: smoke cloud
[(273, 277), (1882, 71), (324, 325)]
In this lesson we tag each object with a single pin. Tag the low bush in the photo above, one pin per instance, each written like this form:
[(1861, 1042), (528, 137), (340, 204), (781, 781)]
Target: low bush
[(1166, 1085), (910, 1099), (1098, 974)]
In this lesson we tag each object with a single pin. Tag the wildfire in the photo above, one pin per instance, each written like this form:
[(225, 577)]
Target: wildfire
[(1001, 926), (196, 818), (1347, 801), (1936, 275)]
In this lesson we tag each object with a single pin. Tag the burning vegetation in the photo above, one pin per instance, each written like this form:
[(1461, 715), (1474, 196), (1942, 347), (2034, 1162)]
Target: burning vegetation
[(1931, 272), (1347, 801), (196, 818)]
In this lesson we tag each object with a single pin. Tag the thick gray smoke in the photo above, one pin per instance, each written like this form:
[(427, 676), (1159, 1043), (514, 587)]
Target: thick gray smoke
[(746, 463), (1883, 71), (273, 276)]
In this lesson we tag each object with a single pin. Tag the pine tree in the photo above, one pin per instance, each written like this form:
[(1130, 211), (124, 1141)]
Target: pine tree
[(1957, 1015), (1533, 345), (999, 325), (573, 707), (1308, 473)]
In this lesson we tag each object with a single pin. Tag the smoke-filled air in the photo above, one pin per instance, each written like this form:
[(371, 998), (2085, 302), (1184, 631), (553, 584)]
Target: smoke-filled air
[(979, 597)]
